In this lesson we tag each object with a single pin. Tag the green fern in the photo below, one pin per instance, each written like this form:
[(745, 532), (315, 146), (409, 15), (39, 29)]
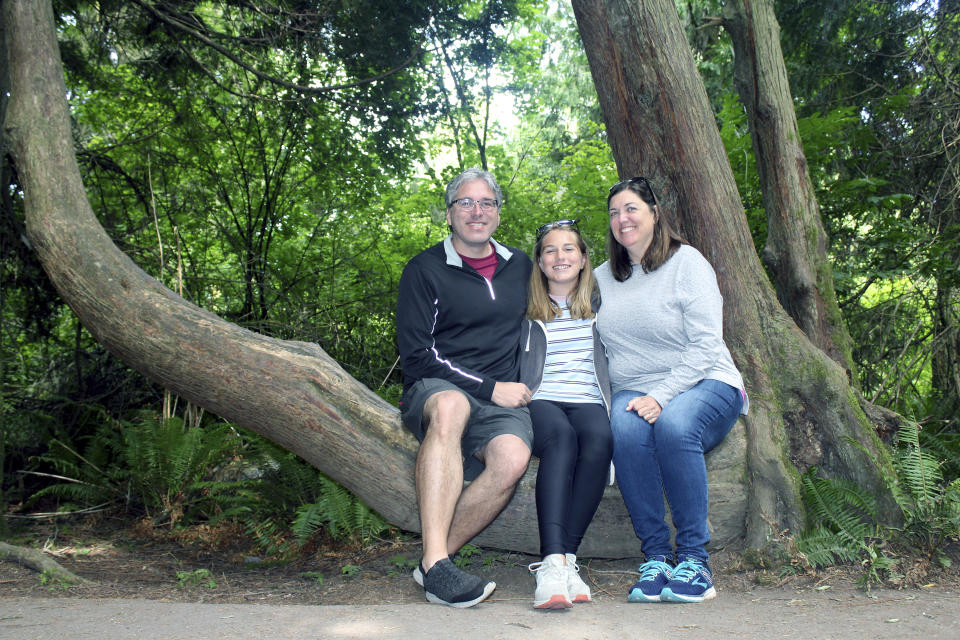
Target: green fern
[(838, 505), (169, 462), (930, 510), (840, 526), (918, 478), (842, 519), (340, 513), (289, 502), (180, 474), (822, 548), (84, 479), (944, 445)]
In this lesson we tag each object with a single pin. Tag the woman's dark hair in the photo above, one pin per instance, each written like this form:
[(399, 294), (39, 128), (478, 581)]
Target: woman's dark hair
[(665, 240)]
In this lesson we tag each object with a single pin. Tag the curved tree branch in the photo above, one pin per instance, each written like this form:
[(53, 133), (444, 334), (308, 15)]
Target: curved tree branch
[(40, 563)]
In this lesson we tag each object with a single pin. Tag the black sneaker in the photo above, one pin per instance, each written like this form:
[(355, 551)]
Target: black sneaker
[(418, 572), (446, 584)]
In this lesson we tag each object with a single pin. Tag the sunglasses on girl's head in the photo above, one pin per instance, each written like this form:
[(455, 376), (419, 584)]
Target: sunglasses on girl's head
[(542, 229), (636, 180)]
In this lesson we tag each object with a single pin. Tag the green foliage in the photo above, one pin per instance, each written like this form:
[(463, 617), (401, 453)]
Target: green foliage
[(182, 475), (350, 570), (403, 564), (170, 463), (930, 505), (285, 503), (89, 478), (339, 513), (841, 526), (53, 580), (159, 465), (466, 555), (842, 521), (195, 578), (313, 576)]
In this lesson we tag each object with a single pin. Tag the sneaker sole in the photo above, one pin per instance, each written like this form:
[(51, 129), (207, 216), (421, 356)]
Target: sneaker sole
[(639, 596), (669, 596), (556, 601), (487, 590)]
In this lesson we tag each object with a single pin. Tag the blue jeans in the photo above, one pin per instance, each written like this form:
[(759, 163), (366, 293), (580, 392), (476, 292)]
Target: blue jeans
[(667, 457)]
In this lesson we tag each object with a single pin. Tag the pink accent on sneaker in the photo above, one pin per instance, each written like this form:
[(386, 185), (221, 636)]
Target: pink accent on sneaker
[(558, 601)]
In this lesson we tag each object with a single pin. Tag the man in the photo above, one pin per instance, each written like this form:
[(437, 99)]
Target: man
[(459, 312)]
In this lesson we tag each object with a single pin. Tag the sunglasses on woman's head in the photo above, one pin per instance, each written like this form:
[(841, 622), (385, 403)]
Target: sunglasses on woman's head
[(636, 180), (542, 229)]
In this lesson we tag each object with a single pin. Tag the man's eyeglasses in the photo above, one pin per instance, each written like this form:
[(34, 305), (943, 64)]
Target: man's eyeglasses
[(466, 204), (636, 180), (542, 229)]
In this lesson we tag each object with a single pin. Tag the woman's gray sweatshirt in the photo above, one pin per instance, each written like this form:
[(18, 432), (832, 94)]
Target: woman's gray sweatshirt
[(663, 330)]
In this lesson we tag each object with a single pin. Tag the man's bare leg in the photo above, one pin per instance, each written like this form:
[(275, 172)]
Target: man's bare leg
[(439, 473), (505, 458)]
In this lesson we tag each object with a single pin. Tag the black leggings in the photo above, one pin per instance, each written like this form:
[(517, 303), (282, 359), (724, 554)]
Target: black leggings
[(574, 444)]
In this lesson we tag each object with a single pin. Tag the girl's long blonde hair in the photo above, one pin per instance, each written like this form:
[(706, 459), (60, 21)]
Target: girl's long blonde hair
[(540, 306)]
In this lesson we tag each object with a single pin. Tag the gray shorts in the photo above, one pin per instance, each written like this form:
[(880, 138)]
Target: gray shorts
[(487, 420)]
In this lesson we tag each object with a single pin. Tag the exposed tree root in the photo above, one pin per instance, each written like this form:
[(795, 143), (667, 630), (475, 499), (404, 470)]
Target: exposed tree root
[(40, 563)]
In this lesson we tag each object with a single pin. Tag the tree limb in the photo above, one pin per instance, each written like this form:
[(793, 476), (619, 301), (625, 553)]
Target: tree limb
[(36, 560)]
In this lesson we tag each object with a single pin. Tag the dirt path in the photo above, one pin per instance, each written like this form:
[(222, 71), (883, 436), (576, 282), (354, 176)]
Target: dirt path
[(147, 587), (762, 614)]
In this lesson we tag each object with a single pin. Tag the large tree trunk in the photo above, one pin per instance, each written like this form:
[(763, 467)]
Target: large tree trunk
[(660, 124), (290, 392), (796, 249)]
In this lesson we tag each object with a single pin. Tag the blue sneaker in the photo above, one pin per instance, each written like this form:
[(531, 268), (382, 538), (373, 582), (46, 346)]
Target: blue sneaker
[(691, 581), (654, 576)]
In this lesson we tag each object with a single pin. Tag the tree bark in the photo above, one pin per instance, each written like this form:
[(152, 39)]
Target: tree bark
[(796, 249), (660, 124), (290, 392), (945, 359), (40, 563)]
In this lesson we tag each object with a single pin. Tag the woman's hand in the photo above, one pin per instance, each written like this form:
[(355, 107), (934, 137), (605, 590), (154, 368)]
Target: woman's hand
[(646, 407)]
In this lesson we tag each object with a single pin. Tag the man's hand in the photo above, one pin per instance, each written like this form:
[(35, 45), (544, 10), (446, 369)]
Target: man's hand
[(511, 394)]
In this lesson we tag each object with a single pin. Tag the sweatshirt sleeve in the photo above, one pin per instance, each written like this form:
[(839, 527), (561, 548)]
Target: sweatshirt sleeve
[(701, 306), (417, 309)]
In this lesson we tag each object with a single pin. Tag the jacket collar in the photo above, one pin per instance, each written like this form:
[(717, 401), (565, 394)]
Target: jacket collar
[(454, 259)]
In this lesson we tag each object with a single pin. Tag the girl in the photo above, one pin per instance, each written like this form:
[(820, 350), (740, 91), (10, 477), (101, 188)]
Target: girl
[(563, 364)]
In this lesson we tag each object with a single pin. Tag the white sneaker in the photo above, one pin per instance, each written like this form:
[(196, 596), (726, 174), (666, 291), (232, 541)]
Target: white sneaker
[(577, 589), (551, 583)]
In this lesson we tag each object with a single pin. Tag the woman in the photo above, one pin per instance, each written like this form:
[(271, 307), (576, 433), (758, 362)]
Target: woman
[(571, 430), (676, 390)]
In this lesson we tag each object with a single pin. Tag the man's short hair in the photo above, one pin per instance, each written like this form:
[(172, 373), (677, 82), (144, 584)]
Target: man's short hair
[(469, 176)]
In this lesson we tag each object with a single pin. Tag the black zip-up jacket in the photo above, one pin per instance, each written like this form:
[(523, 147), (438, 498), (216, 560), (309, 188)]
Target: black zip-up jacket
[(455, 325)]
